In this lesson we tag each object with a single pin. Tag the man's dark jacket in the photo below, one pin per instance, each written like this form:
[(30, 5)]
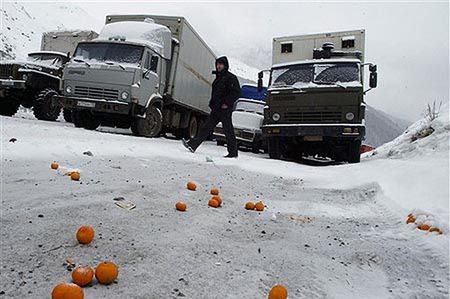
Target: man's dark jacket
[(225, 88)]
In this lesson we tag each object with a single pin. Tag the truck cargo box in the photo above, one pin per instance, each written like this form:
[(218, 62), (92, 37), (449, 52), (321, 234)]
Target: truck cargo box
[(65, 41), (301, 47)]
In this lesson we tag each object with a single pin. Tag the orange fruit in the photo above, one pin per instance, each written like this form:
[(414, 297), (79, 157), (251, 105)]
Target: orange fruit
[(213, 203), (411, 219), (180, 206), (424, 227), (66, 290), (278, 292), (250, 205), (219, 200), (192, 186), (75, 176), (82, 275), (214, 191), (106, 272), (85, 234), (259, 206), (54, 165)]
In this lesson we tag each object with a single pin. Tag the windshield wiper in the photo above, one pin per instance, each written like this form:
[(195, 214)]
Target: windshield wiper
[(81, 61), (115, 63), (330, 83), (284, 85)]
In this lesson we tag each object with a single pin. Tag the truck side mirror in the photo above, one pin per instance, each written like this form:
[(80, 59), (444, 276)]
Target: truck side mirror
[(260, 82), (373, 79)]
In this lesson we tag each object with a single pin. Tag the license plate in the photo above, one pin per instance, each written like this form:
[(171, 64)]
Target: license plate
[(313, 138), (8, 83), (86, 104)]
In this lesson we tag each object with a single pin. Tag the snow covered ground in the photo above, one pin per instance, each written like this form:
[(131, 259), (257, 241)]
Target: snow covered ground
[(334, 231)]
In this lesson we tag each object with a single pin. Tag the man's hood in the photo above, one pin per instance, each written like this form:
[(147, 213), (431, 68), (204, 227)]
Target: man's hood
[(224, 61)]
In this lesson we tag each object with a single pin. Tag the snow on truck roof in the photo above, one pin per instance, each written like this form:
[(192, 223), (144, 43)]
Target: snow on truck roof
[(48, 53), (351, 60), (145, 33)]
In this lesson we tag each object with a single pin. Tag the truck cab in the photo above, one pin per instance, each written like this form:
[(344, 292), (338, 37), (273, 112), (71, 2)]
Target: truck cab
[(315, 106)]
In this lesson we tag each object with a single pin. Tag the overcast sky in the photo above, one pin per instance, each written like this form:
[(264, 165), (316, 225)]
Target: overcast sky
[(408, 41)]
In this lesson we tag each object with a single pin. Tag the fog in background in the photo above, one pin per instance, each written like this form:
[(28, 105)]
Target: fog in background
[(408, 41)]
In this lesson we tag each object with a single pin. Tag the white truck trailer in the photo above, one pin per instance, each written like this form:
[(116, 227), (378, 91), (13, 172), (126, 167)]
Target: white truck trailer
[(151, 73)]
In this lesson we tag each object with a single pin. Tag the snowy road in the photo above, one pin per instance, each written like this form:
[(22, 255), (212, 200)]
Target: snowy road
[(324, 242)]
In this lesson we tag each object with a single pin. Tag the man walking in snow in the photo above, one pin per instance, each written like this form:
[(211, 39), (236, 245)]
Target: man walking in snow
[(225, 91)]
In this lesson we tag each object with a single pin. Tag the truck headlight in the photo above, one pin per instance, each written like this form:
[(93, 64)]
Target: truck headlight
[(350, 116), (124, 95), (68, 89), (276, 116), (24, 77)]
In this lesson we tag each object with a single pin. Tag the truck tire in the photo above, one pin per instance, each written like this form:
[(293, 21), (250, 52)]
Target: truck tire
[(354, 151), (44, 106), (67, 113), (85, 119), (151, 125), (274, 148), (76, 119), (9, 106), (192, 129)]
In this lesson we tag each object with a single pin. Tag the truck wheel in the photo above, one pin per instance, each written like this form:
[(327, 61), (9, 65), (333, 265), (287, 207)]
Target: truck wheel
[(274, 148), (85, 119), (9, 106), (67, 113), (45, 108), (151, 125), (192, 129), (256, 147), (354, 151), (76, 118)]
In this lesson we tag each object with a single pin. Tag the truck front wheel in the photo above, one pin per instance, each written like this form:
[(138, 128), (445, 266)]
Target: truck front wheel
[(151, 125), (45, 108), (84, 119), (274, 148), (9, 106), (67, 113), (354, 151)]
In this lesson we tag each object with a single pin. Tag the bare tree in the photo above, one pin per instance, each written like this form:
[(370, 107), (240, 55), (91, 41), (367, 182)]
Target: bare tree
[(433, 110)]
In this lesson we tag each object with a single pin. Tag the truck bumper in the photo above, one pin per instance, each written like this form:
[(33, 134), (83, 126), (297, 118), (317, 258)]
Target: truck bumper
[(97, 105), (11, 84), (316, 132)]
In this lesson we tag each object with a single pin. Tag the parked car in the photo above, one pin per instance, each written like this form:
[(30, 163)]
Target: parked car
[(247, 120)]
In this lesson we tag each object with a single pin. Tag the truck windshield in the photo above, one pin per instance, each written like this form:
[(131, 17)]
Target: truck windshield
[(104, 52), (319, 73)]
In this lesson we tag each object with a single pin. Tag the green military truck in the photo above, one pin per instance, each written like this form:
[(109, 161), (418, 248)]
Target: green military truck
[(315, 100)]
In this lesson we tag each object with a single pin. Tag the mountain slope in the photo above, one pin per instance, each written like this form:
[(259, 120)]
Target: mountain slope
[(24, 23)]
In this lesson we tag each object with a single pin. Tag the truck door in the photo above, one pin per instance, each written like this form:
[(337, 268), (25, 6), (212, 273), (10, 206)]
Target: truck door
[(150, 80)]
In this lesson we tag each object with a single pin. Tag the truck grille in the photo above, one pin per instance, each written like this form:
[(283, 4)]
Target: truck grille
[(6, 70), (313, 117), (96, 93)]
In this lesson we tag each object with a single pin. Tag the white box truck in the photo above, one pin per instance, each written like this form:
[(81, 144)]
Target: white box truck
[(151, 73)]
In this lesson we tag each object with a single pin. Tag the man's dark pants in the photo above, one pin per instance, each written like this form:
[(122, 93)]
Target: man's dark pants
[(224, 116)]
